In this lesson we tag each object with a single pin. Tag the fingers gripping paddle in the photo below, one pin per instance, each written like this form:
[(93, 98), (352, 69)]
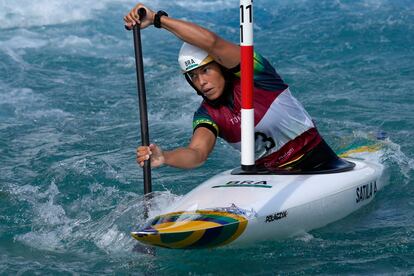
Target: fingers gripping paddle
[(142, 100)]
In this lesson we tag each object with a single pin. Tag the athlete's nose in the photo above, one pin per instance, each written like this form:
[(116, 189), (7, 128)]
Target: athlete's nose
[(202, 80)]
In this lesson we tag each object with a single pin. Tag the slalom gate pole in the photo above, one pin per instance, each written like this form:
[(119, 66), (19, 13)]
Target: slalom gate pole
[(247, 110)]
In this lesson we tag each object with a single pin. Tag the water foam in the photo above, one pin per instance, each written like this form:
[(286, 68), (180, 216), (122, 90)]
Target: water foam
[(47, 216), (23, 39), (54, 229), (389, 153), (393, 153), (46, 12), (51, 12)]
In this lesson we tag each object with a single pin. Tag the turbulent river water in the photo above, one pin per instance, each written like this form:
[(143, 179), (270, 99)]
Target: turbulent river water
[(70, 190)]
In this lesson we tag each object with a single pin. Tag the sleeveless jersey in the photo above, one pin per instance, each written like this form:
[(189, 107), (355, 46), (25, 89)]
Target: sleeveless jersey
[(284, 131)]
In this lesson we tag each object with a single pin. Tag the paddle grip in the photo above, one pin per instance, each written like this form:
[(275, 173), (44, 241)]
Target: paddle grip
[(142, 14)]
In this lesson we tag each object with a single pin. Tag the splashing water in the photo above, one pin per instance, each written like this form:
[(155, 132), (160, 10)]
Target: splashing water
[(71, 192)]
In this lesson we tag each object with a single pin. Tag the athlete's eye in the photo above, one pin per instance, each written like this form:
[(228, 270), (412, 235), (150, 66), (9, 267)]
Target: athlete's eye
[(192, 76)]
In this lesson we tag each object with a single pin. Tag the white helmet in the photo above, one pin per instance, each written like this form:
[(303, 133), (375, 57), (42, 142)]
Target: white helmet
[(191, 57)]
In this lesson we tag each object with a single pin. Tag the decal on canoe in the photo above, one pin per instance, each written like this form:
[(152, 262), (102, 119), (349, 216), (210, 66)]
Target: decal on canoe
[(245, 183), (362, 149), (249, 214), (198, 229), (276, 216), (366, 191)]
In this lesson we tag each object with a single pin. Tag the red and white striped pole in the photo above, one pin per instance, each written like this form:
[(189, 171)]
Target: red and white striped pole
[(247, 111)]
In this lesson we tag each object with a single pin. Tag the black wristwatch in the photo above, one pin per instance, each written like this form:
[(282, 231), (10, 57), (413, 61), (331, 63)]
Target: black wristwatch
[(157, 18)]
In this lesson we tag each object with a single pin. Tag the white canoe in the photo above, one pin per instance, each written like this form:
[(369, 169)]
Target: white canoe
[(241, 209)]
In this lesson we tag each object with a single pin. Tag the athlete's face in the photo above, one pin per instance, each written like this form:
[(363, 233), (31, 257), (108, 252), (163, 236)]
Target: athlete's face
[(209, 80)]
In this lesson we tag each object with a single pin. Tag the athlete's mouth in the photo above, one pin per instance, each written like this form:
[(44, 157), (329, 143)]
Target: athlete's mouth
[(207, 91)]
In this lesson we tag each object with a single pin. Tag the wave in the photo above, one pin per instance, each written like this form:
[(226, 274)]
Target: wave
[(61, 228), (27, 13), (46, 12), (51, 12)]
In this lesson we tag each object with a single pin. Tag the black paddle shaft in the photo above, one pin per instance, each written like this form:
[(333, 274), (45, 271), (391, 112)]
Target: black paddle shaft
[(143, 115)]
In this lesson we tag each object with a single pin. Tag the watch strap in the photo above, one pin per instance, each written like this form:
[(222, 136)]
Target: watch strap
[(157, 18)]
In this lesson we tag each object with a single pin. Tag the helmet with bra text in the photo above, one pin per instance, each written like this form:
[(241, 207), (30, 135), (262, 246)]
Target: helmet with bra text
[(191, 57)]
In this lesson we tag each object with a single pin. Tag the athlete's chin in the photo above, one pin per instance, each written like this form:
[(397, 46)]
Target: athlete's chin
[(211, 98), (212, 95)]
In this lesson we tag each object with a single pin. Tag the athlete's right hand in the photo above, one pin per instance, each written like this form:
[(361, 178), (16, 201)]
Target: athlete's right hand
[(132, 18), (154, 152)]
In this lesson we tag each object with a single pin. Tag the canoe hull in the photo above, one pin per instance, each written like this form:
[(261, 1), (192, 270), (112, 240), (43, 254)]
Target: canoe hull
[(264, 207)]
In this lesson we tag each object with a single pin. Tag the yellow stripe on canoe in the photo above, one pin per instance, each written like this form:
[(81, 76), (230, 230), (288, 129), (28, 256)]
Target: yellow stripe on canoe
[(371, 148), (184, 226)]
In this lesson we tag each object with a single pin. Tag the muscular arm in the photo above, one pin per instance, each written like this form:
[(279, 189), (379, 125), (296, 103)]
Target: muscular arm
[(194, 155), (202, 143), (224, 52)]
